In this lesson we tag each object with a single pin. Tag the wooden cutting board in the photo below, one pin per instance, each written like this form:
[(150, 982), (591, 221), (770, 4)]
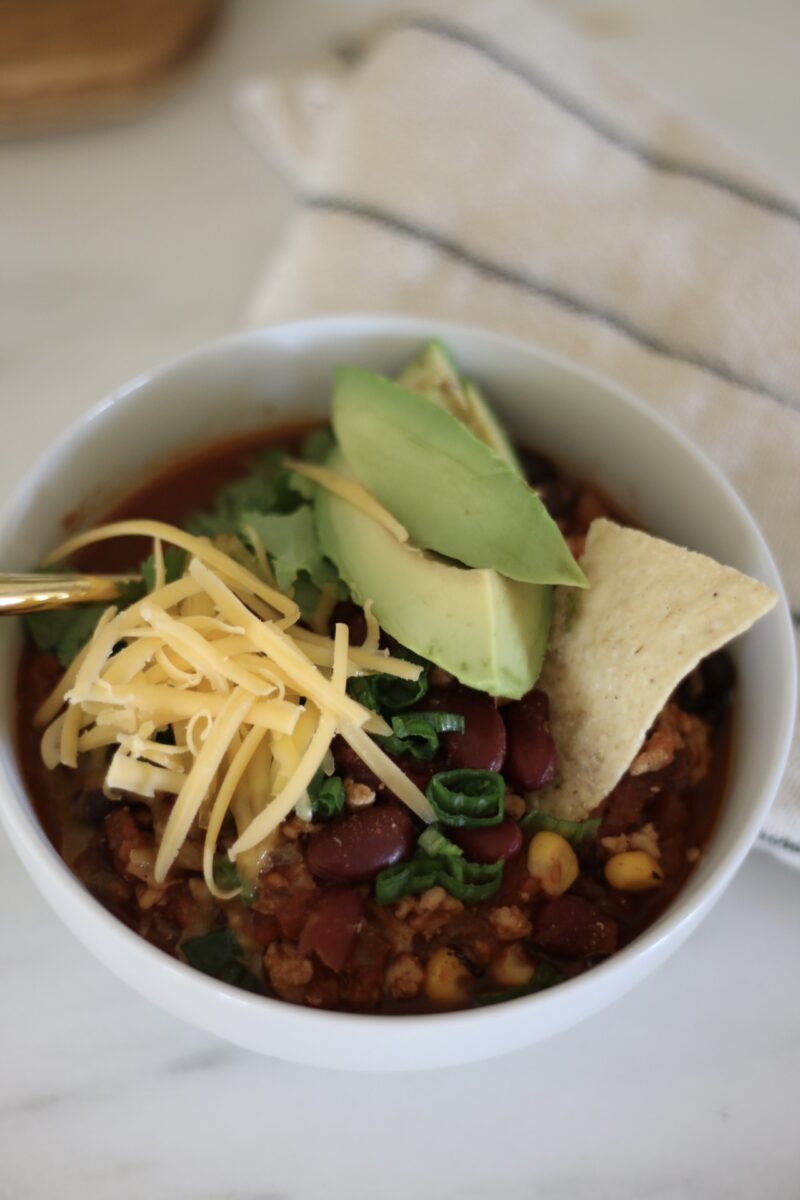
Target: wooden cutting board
[(68, 62)]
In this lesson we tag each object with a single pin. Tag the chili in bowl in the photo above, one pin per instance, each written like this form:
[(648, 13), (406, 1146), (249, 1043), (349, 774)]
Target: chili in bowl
[(366, 757)]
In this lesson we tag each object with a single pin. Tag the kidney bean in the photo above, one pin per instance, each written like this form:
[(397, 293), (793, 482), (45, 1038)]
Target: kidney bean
[(332, 927), (573, 927), (349, 614), (531, 756), (358, 846), (482, 745), (490, 844), (349, 765)]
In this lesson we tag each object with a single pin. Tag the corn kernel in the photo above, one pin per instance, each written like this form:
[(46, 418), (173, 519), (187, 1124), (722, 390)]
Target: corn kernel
[(634, 871), (513, 966), (447, 980), (552, 861)]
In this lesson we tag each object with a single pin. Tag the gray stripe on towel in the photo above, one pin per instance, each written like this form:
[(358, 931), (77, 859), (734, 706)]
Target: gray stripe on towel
[(780, 843), (553, 91), (541, 287)]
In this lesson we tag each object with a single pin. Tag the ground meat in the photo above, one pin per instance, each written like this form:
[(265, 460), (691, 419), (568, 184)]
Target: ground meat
[(289, 971), (691, 740), (124, 837), (288, 895), (429, 912), (657, 753), (404, 977), (294, 828), (645, 839), (358, 795), (509, 922)]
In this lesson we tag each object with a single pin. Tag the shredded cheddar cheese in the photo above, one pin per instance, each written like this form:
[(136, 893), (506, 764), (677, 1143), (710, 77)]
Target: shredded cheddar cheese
[(251, 699)]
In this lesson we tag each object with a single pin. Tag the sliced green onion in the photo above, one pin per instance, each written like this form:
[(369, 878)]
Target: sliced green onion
[(416, 724), (573, 831), (225, 874), (227, 877), (433, 842), (417, 733), (326, 793), (438, 862), (386, 693), (470, 881), (467, 799), (406, 879), (545, 976)]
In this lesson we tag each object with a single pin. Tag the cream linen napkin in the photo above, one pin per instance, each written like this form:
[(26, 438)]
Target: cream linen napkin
[(475, 161)]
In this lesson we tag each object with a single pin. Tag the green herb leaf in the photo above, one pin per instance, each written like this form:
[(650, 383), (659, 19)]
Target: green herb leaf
[(268, 488), (238, 976), (219, 954), (574, 831), (318, 445), (545, 976), (326, 793), (467, 799), (212, 952), (63, 632), (387, 693), (174, 566), (290, 540)]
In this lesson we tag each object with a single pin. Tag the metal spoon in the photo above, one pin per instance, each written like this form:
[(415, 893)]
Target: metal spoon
[(35, 593)]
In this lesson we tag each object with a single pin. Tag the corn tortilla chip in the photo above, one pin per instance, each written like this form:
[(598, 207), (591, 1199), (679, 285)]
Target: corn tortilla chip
[(618, 651)]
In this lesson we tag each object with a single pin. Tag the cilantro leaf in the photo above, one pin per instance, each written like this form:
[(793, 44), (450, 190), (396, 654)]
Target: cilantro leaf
[(64, 631), (318, 445), (290, 540), (174, 565), (268, 488)]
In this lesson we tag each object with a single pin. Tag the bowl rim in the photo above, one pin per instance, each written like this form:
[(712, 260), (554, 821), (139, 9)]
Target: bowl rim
[(682, 913)]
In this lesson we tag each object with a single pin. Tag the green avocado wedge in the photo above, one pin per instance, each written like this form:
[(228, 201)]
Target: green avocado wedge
[(433, 373), (488, 631), (451, 491)]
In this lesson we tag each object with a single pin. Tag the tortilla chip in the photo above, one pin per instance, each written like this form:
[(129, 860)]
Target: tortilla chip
[(618, 651)]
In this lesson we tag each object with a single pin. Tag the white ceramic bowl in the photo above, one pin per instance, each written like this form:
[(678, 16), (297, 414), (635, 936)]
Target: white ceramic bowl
[(606, 436)]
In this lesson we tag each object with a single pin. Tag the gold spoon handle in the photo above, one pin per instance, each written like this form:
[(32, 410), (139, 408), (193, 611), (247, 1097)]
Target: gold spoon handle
[(35, 593)]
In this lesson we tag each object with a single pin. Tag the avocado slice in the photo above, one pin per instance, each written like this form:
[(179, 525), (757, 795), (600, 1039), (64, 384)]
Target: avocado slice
[(488, 631), (451, 491), (433, 373)]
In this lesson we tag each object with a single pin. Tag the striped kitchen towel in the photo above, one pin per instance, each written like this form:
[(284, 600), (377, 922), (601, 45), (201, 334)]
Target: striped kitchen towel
[(475, 161)]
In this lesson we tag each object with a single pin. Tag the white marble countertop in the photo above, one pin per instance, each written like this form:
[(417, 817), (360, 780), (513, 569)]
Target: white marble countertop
[(120, 247)]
